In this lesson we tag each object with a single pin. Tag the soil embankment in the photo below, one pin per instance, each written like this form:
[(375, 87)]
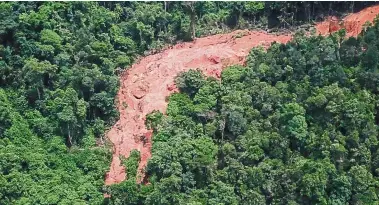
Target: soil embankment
[(353, 23), (145, 86)]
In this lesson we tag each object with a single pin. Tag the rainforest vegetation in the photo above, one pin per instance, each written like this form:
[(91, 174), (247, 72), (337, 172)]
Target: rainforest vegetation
[(297, 125)]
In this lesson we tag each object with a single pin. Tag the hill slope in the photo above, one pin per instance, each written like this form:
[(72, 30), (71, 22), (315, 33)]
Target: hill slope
[(145, 86)]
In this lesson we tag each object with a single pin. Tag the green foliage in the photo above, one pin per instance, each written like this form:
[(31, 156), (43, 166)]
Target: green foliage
[(132, 163), (274, 132), (49, 37), (190, 82), (297, 125), (153, 120), (44, 171)]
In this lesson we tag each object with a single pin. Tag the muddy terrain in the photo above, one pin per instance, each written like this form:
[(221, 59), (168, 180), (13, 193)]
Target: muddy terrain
[(145, 86)]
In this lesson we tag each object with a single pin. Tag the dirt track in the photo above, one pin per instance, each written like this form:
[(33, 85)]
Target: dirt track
[(145, 85)]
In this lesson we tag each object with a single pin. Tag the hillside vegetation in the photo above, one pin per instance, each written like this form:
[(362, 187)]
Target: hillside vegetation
[(297, 125)]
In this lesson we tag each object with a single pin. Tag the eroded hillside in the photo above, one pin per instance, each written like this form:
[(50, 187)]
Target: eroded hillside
[(145, 86)]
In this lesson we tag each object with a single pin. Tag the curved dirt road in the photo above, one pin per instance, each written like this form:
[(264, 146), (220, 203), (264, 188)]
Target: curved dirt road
[(146, 84)]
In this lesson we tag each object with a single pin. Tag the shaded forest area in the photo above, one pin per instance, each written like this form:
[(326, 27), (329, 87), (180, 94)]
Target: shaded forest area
[(59, 64)]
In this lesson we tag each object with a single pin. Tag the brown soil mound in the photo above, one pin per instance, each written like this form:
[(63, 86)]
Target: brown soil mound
[(145, 85), (353, 23)]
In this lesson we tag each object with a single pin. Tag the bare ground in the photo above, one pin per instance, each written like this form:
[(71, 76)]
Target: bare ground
[(145, 86)]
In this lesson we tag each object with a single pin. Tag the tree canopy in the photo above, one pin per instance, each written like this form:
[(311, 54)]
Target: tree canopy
[(297, 125)]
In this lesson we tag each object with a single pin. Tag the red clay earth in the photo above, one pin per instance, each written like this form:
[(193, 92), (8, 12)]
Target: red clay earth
[(145, 86), (353, 23)]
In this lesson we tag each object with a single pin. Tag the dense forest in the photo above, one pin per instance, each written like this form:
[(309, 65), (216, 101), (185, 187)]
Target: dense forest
[(297, 125)]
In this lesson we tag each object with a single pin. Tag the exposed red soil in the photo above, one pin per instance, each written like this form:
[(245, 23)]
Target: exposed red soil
[(353, 23), (145, 86)]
